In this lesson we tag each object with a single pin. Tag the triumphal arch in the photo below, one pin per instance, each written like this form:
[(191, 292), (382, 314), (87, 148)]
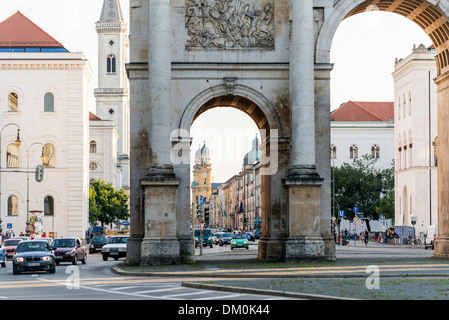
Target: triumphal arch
[(271, 60)]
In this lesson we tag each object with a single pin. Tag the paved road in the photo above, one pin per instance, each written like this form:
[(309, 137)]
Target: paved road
[(95, 280)]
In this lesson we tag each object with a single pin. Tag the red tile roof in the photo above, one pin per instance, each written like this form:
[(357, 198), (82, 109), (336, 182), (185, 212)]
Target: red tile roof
[(19, 31), (93, 117), (364, 111)]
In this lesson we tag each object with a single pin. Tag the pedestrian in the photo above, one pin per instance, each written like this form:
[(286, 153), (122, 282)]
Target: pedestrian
[(366, 237), (376, 236), (2, 237)]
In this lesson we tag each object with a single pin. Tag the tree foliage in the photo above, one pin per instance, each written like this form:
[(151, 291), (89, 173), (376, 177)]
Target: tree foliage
[(361, 184), (106, 203)]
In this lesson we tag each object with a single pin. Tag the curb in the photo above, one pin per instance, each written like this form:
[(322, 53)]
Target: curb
[(261, 291)]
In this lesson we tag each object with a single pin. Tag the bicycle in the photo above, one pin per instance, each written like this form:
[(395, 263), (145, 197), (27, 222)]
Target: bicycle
[(412, 242)]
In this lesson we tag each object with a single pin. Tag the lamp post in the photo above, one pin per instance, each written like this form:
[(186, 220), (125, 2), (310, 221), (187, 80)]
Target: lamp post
[(17, 143), (27, 228)]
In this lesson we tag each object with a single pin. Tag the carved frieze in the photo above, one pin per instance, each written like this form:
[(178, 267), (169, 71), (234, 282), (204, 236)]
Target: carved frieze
[(229, 24)]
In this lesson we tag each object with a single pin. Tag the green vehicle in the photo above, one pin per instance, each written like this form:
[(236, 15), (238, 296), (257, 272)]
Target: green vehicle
[(207, 238), (239, 241)]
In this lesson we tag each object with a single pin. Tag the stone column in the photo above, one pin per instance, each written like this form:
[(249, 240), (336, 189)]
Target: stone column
[(442, 242), (160, 244), (303, 182)]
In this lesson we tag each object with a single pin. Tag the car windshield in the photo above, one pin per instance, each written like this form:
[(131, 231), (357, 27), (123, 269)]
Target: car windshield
[(238, 236), (63, 243), (207, 233), (12, 242), (118, 240), (99, 239), (32, 246), (226, 235)]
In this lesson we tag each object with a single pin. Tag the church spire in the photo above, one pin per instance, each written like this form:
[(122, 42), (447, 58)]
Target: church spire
[(111, 11)]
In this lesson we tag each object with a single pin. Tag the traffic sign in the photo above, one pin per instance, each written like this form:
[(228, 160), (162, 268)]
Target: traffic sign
[(341, 213), (9, 225), (202, 224), (355, 209), (202, 200), (355, 218)]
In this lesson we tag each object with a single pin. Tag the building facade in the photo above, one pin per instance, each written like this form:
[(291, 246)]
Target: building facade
[(363, 128), (416, 179), (44, 94)]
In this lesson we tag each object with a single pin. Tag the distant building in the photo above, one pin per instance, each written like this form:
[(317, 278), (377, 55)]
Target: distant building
[(363, 128), (416, 139)]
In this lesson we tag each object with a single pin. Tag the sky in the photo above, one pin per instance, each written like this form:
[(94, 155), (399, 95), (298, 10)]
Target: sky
[(363, 52)]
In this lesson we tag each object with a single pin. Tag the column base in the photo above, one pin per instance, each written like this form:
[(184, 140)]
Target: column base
[(186, 250), (441, 249), (133, 251), (271, 249), (299, 248), (157, 252)]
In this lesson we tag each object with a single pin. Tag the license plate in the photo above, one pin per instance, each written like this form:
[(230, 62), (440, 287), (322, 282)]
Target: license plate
[(58, 257), (33, 264), (114, 253)]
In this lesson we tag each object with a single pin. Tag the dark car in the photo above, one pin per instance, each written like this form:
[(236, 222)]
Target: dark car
[(97, 243), (69, 250), (226, 238), (257, 233), (207, 238), (33, 255)]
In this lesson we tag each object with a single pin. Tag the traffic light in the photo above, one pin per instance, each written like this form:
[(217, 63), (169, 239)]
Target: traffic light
[(244, 221), (200, 213), (206, 215), (195, 211), (338, 222), (39, 174)]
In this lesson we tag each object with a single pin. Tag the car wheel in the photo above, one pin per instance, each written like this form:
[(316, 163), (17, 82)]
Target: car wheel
[(53, 269), (84, 259), (75, 260), (115, 258), (14, 270), (105, 258), (3, 264)]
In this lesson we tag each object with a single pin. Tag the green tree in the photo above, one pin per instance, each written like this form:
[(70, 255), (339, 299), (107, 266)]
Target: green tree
[(361, 184), (106, 203)]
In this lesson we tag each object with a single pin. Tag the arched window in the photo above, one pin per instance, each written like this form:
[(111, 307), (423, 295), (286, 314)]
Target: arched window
[(49, 206), (399, 152), (353, 152), (410, 149), (49, 156), (333, 151), (111, 64), (410, 102), (93, 146), (13, 206), (375, 151), (93, 166), (13, 102), (12, 156), (49, 102), (399, 108), (405, 106)]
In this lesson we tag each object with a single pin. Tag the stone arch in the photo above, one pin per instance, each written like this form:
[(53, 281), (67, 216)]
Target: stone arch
[(244, 98), (431, 16)]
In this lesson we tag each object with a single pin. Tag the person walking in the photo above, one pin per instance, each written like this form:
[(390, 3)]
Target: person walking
[(366, 237)]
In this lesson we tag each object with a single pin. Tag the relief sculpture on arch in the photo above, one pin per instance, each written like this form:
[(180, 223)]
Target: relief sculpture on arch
[(229, 24)]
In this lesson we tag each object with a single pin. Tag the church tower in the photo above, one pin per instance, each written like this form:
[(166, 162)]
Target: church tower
[(112, 94), (202, 180)]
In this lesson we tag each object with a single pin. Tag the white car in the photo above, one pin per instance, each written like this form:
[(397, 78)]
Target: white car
[(115, 248)]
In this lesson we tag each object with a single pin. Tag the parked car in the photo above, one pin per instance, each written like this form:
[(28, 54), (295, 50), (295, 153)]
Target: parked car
[(225, 238), (216, 238), (430, 236), (69, 250), (116, 247), (207, 238), (239, 241), (2, 256), (97, 243), (250, 236), (33, 255), (257, 233), (10, 246)]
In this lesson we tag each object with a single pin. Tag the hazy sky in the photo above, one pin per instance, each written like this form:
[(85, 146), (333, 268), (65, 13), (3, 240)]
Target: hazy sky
[(364, 49)]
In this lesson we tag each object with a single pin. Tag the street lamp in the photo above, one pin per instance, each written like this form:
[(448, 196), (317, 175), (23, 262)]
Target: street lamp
[(17, 143), (42, 158)]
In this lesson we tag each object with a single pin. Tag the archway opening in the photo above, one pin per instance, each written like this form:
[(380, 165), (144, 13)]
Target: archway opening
[(430, 28), (229, 189)]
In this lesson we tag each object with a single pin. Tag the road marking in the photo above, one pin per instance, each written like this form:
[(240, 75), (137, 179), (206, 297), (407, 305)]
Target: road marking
[(187, 294), (221, 297), (160, 290)]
